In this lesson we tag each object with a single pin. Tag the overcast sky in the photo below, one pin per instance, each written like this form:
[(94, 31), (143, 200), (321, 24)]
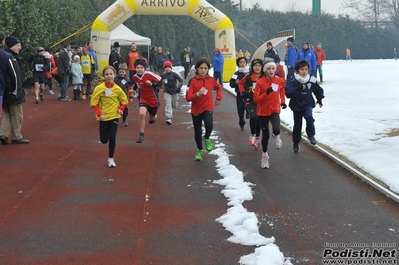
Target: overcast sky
[(327, 6)]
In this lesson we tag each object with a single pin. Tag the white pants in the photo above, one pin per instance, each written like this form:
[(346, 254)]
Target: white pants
[(170, 104)]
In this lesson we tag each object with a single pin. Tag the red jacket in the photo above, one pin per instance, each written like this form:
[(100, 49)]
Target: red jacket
[(267, 104), (148, 94), (321, 56), (204, 102)]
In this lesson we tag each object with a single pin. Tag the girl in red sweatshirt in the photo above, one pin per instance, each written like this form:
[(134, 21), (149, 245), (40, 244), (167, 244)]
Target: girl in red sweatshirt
[(199, 93)]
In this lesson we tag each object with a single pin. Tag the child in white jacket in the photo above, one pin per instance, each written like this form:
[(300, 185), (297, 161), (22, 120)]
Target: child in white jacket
[(77, 77)]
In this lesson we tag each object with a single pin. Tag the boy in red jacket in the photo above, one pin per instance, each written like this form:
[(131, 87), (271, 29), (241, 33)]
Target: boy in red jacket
[(199, 93), (321, 56)]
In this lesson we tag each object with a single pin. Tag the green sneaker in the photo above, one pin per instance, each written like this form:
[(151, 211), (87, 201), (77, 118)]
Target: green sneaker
[(208, 145), (198, 155)]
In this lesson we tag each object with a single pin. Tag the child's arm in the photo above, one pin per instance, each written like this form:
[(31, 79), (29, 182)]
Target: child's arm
[(319, 93), (180, 80)]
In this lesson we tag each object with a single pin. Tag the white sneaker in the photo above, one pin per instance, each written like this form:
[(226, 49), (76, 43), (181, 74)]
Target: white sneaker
[(265, 161), (256, 143), (251, 140), (169, 121), (277, 141), (51, 92), (111, 162)]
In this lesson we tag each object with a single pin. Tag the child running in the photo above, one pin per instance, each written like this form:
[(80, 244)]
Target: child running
[(269, 97), (171, 89), (242, 71), (124, 82), (147, 83), (199, 93), (247, 86), (108, 102), (300, 90)]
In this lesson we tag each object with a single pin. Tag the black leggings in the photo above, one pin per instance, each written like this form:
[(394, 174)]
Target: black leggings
[(254, 126), (207, 117), (108, 133), (264, 125)]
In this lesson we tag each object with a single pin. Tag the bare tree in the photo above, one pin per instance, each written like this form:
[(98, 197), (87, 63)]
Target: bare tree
[(293, 7), (369, 10), (392, 10)]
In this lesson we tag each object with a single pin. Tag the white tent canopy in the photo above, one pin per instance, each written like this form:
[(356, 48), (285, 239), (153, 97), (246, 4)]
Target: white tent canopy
[(125, 37)]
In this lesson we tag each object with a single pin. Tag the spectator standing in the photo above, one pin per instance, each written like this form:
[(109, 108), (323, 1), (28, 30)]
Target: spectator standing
[(77, 77), (64, 70), (159, 58), (191, 58), (217, 63), (169, 55), (48, 75), (290, 58), (151, 59), (130, 57), (115, 57), (39, 65), (93, 54), (185, 62), (171, 90), (270, 52), (6, 67), (348, 54), (321, 56), (240, 53), (247, 55), (14, 95), (88, 66), (308, 54)]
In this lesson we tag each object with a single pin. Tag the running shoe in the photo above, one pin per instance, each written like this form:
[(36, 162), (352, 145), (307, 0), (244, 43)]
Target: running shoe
[(265, 161), (208, 145), (198, 155)]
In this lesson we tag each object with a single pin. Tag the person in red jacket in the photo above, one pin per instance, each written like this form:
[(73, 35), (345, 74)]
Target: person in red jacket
[(199, 93), (269, 97), (247, 87), (321, 56), (147, 84)]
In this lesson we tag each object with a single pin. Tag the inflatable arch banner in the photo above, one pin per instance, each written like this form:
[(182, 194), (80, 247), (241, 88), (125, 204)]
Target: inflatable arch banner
[(200, 10)]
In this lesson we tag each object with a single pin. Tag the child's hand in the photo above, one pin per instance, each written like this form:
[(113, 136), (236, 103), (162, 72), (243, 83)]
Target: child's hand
[(102, 118), (131, 99), (148, 82), (120, 111), (320, 103), (217, 102)]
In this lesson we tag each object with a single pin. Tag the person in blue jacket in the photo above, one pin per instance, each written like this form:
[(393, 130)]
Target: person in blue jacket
[(289, 59), (309, 55), (217, 63), (300, 91), (242, 70)]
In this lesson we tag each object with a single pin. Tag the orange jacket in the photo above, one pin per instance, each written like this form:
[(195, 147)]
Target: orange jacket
[(321, 56), (267, 104), (130, 58)]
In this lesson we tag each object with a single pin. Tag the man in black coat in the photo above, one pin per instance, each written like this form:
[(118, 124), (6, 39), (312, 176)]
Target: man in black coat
[(115, 57), (64, 70), (13, 98)]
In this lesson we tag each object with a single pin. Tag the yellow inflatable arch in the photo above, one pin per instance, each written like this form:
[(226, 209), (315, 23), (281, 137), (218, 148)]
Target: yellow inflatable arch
[(200, 10)]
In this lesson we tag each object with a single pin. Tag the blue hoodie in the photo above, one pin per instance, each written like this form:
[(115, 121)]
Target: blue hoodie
[(217, 63)]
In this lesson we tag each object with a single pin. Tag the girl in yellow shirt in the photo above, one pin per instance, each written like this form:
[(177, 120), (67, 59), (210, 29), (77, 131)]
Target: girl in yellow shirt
[(108, 102)]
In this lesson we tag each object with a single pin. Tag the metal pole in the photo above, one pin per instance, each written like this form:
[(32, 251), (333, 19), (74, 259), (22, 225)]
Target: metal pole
[(316, 7)]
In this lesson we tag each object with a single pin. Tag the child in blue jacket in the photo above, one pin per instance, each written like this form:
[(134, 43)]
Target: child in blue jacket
[(300, 90)]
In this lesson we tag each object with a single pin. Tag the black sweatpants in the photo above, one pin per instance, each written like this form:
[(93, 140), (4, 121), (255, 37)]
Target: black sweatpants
[(108, 133), (207, 117), (274, 119)]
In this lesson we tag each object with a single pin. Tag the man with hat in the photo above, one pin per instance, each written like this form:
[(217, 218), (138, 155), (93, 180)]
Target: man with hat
[(13, 97), (39, 65), (217, 63), (309, 55), (115, 57)]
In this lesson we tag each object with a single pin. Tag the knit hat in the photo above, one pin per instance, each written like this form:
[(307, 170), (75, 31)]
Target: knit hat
[(167, 64), (140, 62), (76, 57), (40, 49), (11, 41), (255, 61), (217, 50), (116, 44), (290, 39)]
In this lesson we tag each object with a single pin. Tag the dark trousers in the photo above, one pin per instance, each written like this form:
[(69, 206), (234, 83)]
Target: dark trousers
[(49, 82), (290, 74), (274, 119), (254, 126), (125, 113), (108, 133), (207, 118), (219, 77), (240, 110), (307, 113), (186, 70)]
